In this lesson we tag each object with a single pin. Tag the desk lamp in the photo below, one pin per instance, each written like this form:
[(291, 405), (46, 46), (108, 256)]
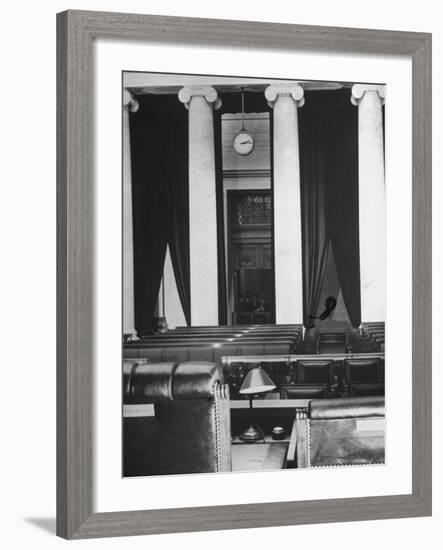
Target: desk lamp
[(255, 382)]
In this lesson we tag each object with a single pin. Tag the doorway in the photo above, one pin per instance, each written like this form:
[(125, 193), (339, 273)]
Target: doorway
[(250, 257)]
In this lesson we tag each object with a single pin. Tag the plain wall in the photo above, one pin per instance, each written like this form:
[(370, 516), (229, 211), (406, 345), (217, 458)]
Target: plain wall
[(28, 274)]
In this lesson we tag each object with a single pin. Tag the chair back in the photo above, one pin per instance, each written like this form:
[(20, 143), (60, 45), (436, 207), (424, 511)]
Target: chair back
[(190, 431), (337, 432), (313, 372), (363, 370)]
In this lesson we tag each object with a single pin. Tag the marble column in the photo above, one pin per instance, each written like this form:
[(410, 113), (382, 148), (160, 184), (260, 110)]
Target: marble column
[(285, 101), (129, 105), (372, 205), (201, 101)]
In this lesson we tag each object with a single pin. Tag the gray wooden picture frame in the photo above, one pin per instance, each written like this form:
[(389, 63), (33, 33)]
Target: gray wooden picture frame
[(76, 31)]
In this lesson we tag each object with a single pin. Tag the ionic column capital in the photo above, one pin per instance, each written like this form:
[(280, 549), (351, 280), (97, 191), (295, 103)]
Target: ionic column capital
[(209, 93), (129, 101), (359, 90), (294, 90)]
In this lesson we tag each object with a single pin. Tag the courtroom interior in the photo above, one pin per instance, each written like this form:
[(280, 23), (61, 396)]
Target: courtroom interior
[(254, 274)]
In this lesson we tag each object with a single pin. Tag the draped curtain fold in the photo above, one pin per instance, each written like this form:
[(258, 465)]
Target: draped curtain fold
[(315, 240), (342, 213), (221, 253), (328, 130), (159, 154), (178, 199)]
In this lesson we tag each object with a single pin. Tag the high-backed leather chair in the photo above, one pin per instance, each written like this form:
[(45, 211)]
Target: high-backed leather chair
[(333, 432), (312, 379), (190, 432), (312, 371), (363, 370), (365, 376)]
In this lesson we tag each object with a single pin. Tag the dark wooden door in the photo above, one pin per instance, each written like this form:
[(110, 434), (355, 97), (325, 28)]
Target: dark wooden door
[(250, 261)]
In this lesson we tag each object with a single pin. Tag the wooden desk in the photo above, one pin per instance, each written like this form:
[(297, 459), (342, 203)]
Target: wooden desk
[(147, 409), (259, 456)]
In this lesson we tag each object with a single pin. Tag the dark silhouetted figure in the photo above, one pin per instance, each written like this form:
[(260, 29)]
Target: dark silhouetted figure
[(330, 304)]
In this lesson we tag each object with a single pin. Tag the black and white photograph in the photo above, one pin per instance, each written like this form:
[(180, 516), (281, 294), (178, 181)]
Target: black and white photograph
[(221, 279), (254, 274)]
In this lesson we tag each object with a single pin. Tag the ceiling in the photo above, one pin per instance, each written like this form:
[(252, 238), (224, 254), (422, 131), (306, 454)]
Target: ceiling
[(162, 83)]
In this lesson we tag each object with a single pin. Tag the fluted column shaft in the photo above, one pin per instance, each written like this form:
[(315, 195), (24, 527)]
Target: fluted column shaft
[(129, 104), (285, 101), (201, 101), (372, 205)]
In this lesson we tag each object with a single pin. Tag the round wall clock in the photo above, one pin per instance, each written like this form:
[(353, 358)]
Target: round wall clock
[(243, 143)]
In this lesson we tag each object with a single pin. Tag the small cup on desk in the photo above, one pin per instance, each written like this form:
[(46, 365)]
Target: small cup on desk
[(278, 433)]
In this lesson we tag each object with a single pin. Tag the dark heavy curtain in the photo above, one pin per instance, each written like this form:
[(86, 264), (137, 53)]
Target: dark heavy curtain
[(313, 179), (342, 203), (328, 128), (178, 199), (159, 153), (221, 254)]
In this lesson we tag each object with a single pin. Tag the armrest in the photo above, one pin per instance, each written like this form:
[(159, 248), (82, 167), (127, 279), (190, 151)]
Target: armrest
[(350, 407), (298, 451), (292, 449)]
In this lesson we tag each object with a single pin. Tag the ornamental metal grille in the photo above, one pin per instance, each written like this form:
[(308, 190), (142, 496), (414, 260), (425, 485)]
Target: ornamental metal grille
[(251, 209)]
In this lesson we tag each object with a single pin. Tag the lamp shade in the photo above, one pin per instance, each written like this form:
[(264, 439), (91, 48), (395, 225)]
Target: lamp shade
[(257, 381)]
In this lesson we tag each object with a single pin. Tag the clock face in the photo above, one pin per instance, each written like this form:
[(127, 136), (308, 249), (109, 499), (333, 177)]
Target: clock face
[(243, 143)]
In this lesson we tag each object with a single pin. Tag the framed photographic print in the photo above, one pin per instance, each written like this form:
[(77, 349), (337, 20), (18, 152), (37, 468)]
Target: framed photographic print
[(244, 280)]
